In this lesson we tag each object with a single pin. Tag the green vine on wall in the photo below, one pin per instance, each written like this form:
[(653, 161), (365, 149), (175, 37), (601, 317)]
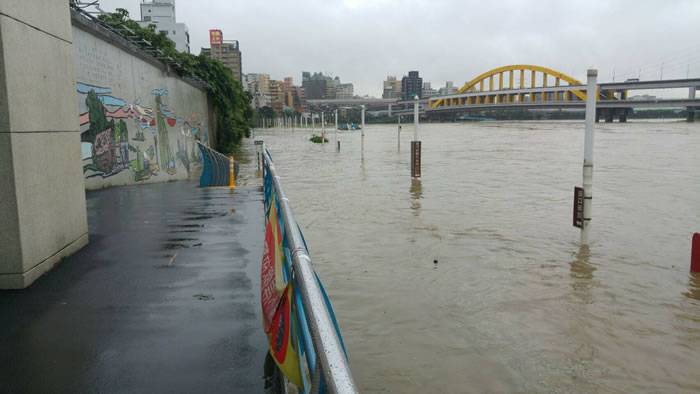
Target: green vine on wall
[(234, 113)]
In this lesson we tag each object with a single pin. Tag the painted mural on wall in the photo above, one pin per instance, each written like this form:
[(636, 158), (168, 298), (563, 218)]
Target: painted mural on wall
[(119, 136)]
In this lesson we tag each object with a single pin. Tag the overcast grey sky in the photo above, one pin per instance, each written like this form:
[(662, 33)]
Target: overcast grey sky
[(363, 41)]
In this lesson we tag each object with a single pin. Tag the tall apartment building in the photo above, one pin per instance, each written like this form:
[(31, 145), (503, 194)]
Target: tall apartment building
[(277, 98), (449, 88), (345, 91), (294, 97), (315, 86), (319, 86), (161, 13), (227, 52), (259, 87), (258, 83), (392, 88), (428, 91), (411, 86)]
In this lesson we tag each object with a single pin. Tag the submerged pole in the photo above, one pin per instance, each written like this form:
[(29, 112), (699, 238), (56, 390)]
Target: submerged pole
[(398, 140), (363, 126), (335, 133), (591, 95), (323, 128), (415, 144), (415, 118)]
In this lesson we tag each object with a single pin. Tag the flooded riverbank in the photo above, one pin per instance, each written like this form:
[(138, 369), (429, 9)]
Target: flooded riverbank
[(513, 303)]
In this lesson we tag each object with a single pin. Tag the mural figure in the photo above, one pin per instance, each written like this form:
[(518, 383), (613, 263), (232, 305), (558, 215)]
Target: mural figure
[(107, 148), (166, 159)]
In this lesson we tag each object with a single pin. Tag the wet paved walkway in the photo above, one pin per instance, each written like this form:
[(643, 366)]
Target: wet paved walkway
[(165, 298)]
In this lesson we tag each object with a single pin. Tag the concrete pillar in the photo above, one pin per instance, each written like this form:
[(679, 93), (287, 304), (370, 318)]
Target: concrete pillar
[(691, 110), (609, 115), (623, 115), (42, 197)]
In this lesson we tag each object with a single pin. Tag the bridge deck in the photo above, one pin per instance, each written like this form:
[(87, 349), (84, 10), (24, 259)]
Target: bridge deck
[(165, 298)]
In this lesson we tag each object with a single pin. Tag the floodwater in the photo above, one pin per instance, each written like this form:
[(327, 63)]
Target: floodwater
[(513, 303)]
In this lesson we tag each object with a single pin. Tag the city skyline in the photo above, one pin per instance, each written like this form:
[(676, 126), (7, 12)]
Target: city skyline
[(364, 41)]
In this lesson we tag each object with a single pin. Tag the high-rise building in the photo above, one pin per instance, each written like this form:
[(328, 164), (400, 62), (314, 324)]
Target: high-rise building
[(161, 13), (411, 86), (449, 88), (392, 88), (344, 91), (259, 87), (227, 52), (293, 95), (428, 91), (277, 98), (315, 86), (319, 86)]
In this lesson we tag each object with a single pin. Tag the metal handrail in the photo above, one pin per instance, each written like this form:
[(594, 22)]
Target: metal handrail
[(216, 167), (331, 360)]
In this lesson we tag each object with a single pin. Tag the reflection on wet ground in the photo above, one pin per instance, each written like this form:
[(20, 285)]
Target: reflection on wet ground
[(163, 299)]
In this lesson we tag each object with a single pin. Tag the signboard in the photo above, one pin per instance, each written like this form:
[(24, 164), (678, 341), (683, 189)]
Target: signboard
[(578, 207), (258, 142), (216, 37), (415, 159)]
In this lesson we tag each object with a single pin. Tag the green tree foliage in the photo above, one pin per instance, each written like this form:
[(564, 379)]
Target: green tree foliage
[(98, 120), (231, 103)]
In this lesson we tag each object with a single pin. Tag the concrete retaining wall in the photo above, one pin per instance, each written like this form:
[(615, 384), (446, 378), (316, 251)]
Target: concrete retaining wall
[(138, 120), (42, 196)]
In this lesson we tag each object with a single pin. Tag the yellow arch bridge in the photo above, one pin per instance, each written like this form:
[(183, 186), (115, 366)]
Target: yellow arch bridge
[(516, 84)]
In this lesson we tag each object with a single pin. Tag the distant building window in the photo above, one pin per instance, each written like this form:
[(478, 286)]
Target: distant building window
[(149, 10), (147, 18), (174, 32), (164, 32)]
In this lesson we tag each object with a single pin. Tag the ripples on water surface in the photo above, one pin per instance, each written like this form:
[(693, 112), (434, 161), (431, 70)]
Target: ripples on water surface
[(513, 303)]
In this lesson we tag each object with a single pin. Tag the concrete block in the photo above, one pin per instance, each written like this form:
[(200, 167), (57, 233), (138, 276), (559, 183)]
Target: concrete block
[(10, 250), (39, 79), (50, 194), (51, 16), (24, 279)]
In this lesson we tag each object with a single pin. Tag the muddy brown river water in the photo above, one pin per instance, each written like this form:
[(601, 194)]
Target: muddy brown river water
[(513, 304)]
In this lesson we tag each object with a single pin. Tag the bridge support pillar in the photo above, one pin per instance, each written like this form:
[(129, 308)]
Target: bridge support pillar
[(609, 115), (691, 110), (42, 199), (623, 115)]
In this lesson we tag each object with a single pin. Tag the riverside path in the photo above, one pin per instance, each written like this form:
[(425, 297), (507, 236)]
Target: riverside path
[(165, 298)]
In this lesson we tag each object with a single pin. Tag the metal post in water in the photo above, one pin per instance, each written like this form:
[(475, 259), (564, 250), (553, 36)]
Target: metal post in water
[(363, 120), (415, 118), (323, 127), (398, 140), (591, 95), (415, 144), (313, 123), (335, 133)]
